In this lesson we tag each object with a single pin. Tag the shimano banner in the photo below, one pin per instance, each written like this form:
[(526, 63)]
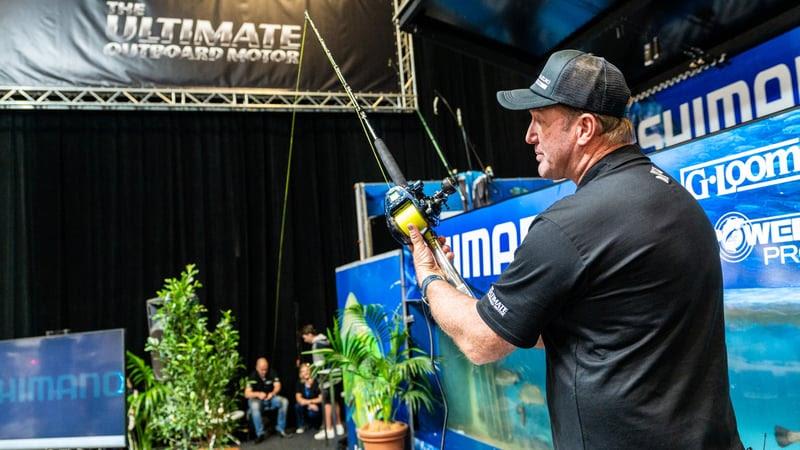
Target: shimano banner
[(198, 44), (63, 391), (753, 84)]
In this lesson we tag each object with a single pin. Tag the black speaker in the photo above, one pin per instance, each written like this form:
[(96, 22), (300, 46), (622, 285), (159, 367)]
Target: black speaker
[(156, 330)]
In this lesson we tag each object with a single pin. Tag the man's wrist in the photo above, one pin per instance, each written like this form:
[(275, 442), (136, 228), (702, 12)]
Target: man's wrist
[(423, 287)]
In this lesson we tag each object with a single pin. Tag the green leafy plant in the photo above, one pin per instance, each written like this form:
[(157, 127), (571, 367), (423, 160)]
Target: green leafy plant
[(197, 366), (142, 404), (378, 369)]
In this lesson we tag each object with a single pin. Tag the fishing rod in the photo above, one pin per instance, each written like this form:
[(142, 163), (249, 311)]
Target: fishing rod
[(405, 203), (456, 115)]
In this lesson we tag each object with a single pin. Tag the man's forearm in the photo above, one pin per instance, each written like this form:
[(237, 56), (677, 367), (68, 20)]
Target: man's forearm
[(254, 394), (456, 315)]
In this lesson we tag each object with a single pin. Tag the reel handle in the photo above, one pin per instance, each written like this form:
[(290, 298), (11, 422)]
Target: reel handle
[(450, 273)]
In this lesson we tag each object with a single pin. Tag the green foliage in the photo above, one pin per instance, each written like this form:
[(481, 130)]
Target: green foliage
[(197, 366), (379, 371), (142, 404)]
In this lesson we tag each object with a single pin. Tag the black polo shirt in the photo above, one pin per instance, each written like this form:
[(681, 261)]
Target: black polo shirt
[(623, 282), (307, 391), (266, 384)]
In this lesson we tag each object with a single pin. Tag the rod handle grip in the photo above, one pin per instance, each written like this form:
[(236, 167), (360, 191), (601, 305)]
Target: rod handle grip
[(388, 161), (450, 273)]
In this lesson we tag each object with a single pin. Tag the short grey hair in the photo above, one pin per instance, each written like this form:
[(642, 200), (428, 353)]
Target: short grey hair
[(617, 130)]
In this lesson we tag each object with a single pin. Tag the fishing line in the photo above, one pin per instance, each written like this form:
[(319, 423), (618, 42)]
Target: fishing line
[(286, 193), (362, 117)]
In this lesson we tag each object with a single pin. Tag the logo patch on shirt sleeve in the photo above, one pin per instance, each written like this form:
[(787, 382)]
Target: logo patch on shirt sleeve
[(659, 174), (496, 304)]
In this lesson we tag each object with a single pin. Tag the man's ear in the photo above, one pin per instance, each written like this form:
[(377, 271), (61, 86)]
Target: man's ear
[(588, 127)]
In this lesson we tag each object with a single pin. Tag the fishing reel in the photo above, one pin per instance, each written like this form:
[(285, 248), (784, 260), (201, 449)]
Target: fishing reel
[(408, 204)]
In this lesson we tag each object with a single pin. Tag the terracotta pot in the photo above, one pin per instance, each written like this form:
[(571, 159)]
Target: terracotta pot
[(384, 440)]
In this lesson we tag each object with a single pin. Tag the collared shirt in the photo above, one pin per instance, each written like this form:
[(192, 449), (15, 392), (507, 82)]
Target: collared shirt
[(266, 384), (307, 391), (623, 282)]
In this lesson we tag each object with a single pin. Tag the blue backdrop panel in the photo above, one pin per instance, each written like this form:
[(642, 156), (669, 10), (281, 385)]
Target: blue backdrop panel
[(63, 391), (499, 190), (374, 280)]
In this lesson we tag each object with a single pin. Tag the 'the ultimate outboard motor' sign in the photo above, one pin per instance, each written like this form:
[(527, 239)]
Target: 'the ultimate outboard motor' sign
[(205, 43)]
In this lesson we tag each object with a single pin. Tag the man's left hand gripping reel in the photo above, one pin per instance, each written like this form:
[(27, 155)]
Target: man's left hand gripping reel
[(408, 204)]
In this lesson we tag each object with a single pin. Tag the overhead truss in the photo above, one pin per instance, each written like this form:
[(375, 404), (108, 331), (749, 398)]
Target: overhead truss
[(253, 99)]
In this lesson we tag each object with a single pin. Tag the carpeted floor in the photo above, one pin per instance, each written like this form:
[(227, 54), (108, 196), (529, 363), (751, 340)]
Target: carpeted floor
[(303, 441)]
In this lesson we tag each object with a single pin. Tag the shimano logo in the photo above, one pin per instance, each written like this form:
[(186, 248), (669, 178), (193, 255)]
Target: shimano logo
[(496, 304), (737, 102), (765, 166), (67, 386), (776, 237), (484, 252)]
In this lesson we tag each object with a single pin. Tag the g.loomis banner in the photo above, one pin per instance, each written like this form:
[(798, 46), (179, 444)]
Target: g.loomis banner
[(196, 43)]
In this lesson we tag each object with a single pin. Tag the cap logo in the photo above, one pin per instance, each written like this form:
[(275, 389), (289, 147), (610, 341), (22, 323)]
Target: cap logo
[(543, 82)]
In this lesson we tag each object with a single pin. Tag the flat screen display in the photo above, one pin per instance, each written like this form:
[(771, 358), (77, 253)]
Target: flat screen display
[(64, 391)]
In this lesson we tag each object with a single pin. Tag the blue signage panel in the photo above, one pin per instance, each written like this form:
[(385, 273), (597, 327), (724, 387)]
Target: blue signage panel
[(63, 391), (498, 190), (746, 179), (373, 280), (753, 84)]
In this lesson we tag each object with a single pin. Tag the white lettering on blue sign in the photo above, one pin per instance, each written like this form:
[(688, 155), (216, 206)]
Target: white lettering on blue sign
[(482, 252), (752, 169), (776, 236), (732, 104)]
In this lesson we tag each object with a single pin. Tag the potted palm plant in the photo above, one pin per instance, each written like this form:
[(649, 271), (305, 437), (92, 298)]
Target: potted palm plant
[(380, 371), (142, 404)]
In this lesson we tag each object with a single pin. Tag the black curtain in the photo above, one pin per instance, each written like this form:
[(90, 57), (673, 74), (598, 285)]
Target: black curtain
[(98, 207)]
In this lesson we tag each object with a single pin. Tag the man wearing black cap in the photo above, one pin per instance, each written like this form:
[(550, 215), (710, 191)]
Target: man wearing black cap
[(621, 281)]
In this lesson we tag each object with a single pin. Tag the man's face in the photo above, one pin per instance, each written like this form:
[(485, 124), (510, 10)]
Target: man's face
[(553, 140), (261, 368), (308, 338)]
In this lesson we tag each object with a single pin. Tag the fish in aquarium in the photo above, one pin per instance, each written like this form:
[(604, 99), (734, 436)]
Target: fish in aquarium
[(531, 394), (786, 437), (505, 377)]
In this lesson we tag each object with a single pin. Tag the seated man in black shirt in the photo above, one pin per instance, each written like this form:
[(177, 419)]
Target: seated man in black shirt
[(308, 397), (262, 394)]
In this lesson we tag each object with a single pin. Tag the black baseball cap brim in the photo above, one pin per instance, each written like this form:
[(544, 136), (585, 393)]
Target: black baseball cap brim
[(523, 99)]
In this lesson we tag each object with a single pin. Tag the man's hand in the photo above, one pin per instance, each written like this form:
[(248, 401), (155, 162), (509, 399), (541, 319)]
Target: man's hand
[(313, 407), (424, 261), (269, 396), (262, 396)]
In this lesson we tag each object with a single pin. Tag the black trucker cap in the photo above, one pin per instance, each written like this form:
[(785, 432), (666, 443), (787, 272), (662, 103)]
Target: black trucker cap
[(573, 78)]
